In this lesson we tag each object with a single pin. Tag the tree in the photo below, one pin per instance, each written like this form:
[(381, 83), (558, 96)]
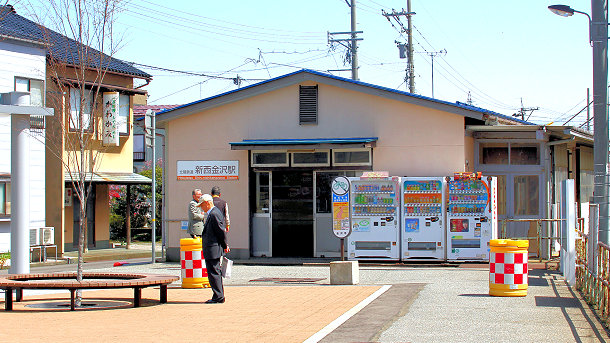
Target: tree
[(81, 44)]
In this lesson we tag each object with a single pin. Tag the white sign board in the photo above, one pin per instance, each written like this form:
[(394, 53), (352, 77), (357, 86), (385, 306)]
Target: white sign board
[(208, 170), (340, 201), (110, 127)]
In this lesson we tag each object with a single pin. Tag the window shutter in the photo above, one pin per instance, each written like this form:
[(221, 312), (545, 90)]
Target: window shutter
[(308, 105)]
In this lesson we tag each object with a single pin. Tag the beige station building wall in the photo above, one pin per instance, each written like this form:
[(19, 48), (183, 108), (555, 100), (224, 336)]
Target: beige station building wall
[(412, 141)]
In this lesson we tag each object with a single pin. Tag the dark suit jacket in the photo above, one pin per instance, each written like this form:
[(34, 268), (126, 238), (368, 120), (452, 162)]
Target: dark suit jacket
[(214, 238)]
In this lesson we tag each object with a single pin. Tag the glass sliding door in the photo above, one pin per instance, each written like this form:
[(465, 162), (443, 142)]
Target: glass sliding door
[(261, 219)]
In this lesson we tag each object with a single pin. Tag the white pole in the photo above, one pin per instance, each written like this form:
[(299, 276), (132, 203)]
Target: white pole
[(20, 186), (154, 187)]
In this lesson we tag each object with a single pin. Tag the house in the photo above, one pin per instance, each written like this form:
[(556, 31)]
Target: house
[(23, 68), (115, 163)]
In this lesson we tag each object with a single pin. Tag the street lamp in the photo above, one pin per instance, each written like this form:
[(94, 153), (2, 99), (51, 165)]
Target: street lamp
[(598, 37), (567, 11)]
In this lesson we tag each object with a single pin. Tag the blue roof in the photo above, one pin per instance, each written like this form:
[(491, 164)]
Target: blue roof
[(60, 47), (306, 141), (396, 91)]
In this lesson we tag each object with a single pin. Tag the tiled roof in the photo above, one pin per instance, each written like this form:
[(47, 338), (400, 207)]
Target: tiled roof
[(140, 110), (60, 47)]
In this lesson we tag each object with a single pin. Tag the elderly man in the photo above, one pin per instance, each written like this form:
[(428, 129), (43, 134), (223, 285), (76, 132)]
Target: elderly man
[(195, 216), (214, 243)]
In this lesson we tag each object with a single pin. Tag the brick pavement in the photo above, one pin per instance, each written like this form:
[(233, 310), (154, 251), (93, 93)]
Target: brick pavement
[(251, 314)]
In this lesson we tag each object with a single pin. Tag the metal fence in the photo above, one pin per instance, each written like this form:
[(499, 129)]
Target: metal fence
[(541, 238), (593, 266)]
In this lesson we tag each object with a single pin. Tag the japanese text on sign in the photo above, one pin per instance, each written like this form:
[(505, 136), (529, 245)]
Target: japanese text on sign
[(208, 170), (341, 227), (110, 129)]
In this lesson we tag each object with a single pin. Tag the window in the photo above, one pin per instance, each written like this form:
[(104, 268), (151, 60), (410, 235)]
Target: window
[(513, 153), (269, 159), (522, 154), (308, 105), (262, 192), (526, 195), (5, 198), (309, 159), (352, 157), (139, 149), (123, 119), (35, 87), (75, 108), (493, 153)]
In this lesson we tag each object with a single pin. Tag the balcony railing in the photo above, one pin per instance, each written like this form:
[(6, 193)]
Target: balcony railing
[(139, 156)]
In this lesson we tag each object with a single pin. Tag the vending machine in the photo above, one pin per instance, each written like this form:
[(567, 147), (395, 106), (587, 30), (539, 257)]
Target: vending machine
[(472, 216), (374, 217), (423, 218)]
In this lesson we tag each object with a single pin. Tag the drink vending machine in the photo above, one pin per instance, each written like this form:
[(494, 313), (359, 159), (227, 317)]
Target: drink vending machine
[(423, 218), (374, 212), (472, 216)]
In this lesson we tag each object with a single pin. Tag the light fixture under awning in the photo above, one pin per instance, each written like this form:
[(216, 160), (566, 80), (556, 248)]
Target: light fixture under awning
[(304, 143)]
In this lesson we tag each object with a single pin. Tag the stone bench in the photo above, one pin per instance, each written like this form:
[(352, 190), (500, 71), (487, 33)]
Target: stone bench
[(91, 280)]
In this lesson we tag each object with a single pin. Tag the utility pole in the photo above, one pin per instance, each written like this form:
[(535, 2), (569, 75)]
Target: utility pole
[(599, 39), (524, 110), (432, 55), (588, 111), (353, 42), (411, 68), (351, 46), (409, 46)]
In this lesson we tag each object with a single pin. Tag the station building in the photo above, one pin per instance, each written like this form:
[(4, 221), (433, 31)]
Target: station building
[(274, 147)]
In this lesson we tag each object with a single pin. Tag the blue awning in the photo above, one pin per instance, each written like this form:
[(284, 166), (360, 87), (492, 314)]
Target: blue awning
[(304, 143)]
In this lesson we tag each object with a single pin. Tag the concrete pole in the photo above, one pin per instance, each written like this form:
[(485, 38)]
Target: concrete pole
[(599, 39), (410, 49), (354, 46), (20, 186)]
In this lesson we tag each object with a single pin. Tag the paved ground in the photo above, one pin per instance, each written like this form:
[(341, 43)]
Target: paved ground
[(392, 304)]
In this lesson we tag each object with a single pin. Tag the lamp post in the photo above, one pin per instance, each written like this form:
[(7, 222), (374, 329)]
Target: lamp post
[(598, 36)]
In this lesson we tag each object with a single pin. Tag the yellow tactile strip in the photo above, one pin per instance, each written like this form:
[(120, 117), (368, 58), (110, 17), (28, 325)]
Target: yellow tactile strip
[(250, 314)]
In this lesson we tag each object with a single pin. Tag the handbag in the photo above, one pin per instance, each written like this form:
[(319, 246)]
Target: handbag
[(226, 267)]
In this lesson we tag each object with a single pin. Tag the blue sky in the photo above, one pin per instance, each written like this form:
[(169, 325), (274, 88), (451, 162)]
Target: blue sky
[(503, 53)]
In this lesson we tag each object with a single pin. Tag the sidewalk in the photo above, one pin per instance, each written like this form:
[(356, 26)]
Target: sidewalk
[(391, 304)]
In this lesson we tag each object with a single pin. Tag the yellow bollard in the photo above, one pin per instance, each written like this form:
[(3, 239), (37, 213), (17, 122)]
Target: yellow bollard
[(508, 267), (193, 271)]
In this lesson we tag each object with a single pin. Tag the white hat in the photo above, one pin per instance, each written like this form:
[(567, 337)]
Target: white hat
[(204, 198)]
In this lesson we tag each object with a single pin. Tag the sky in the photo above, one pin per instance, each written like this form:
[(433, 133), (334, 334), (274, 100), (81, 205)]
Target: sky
[(503, 55)]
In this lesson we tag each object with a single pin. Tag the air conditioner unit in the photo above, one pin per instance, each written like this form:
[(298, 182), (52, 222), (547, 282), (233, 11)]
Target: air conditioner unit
[(34, 237), (47, 235)]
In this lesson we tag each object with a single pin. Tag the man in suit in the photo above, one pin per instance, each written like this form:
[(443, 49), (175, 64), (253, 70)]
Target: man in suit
[(214, 243), (195, 216), (221, 205)]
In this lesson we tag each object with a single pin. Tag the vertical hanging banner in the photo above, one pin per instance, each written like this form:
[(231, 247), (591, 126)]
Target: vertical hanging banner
[(110, 127)]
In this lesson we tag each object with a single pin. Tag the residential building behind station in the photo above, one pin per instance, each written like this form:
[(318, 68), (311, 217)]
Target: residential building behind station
[(58, 201)]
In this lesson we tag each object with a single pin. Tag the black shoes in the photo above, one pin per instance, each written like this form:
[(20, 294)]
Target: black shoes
[(215, 301)]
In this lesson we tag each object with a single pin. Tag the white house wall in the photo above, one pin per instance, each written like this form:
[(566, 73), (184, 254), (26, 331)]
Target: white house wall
[(28, 61)]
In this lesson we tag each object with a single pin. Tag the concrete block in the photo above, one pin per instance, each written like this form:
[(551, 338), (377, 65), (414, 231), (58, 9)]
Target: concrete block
[(344, 273)]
